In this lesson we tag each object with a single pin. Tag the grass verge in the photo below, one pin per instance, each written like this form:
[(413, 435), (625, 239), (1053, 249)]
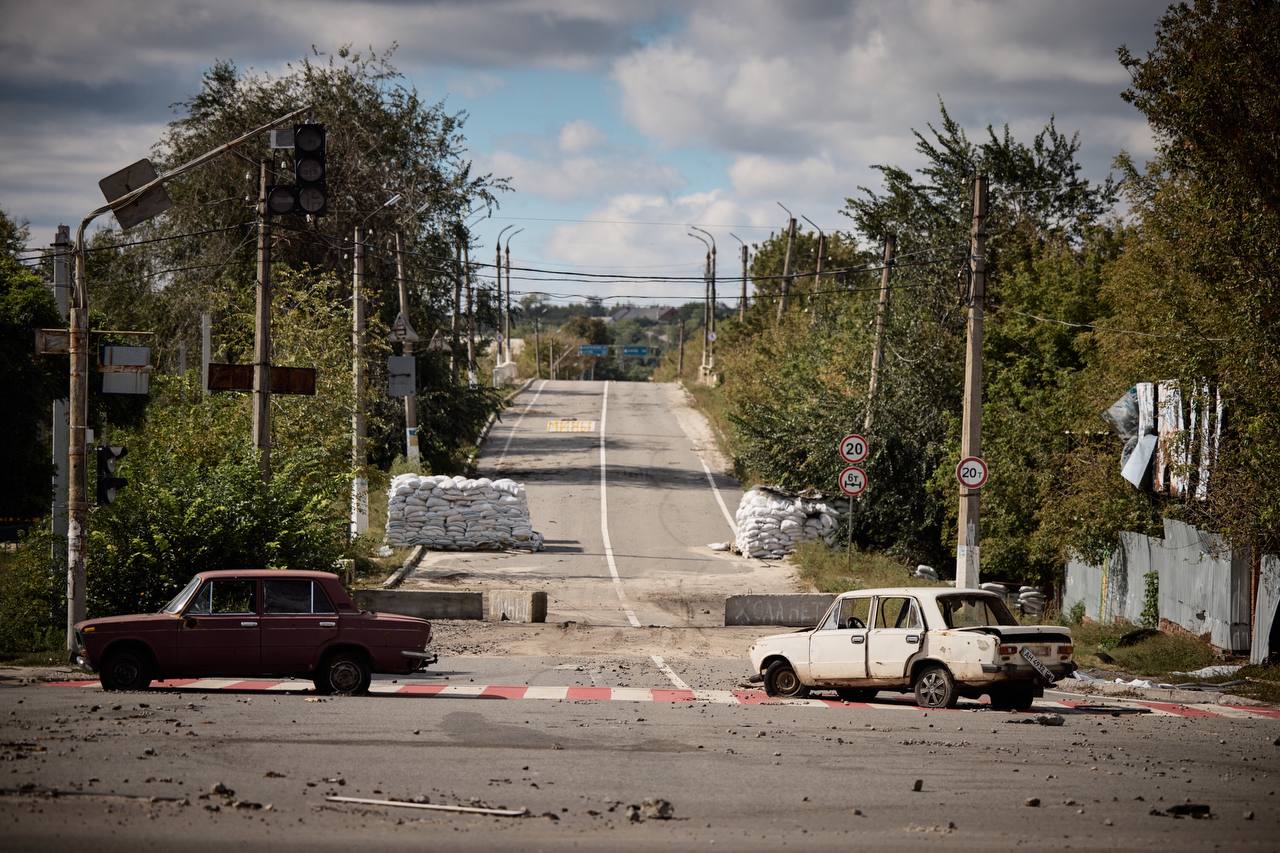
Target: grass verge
[(835, 570)]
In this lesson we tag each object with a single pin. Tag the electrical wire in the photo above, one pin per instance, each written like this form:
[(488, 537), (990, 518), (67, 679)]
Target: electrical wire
[(149, 240), (1105, 329)]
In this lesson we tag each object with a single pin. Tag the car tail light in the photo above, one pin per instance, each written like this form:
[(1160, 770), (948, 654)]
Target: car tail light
[(1065, 651), (1006, 651)]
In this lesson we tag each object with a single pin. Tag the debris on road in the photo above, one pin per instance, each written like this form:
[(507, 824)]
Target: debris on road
[(364, 801), (1041, 720), (1195, 811), (1032, 802), (918, 786)]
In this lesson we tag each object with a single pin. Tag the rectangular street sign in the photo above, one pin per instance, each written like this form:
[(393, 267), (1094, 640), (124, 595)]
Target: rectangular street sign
[(151, 203), (640, 352), (593, 349), (401, 375), (284, 380), (53, 342)]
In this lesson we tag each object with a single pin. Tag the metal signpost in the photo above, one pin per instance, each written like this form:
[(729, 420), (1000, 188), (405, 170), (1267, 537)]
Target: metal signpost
[(853, 479)]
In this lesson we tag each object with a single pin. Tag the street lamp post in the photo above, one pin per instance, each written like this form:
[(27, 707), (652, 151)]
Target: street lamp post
[(497, 271), (507, 334), (711, 300), (742, 299), (706, 293)]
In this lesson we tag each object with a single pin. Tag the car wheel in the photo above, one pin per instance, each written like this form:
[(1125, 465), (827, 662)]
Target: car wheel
[(1021, 697), (780, 679), (935, 688), (125, 669), (856, 694), (343, 673)]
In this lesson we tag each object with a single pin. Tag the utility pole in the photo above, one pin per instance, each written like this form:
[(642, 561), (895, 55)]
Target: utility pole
[(359, 482), (882, 310), (680, 361), (411, 401), (471, 314), (786, 265), (742, 299), (711, 305), (967, 542), (537, 348), (497, 271), (61, 292), (262, 332), (506, 305), (206, 350), (455, 324)]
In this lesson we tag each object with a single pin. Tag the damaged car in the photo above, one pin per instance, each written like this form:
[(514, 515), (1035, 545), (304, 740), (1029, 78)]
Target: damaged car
[(939, 643)]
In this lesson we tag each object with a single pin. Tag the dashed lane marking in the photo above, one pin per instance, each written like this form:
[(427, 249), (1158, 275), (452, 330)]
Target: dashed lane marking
[(1066, 707), (570, 425)]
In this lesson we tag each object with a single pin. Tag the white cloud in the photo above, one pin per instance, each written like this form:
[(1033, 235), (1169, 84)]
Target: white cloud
[(580, 135)]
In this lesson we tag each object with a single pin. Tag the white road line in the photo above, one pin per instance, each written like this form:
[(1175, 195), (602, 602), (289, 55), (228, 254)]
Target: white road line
[(670, 673), (516, 425), (604, 515), (715, 491)]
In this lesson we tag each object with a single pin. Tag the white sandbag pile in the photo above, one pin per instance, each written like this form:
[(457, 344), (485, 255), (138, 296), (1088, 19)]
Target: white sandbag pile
[(771, 523), (457, 514)]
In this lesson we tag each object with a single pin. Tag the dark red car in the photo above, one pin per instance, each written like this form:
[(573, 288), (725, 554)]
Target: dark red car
[(255, 623)]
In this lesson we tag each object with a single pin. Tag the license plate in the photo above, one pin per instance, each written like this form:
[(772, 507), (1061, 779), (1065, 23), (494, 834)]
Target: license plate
[(1037, 665)]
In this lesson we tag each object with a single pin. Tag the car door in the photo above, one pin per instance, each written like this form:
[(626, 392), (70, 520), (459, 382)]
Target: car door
[(219, 631), (896, 633), (838, 650), (298, 620)]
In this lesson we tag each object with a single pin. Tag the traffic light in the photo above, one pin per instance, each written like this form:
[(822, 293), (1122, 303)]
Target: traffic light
[(109, 485), (308, 194), (309, 168)]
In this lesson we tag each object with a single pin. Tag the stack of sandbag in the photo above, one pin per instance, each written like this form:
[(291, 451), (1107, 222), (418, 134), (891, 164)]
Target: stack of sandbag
[(457, 514), (771, 522), (1031, 601)]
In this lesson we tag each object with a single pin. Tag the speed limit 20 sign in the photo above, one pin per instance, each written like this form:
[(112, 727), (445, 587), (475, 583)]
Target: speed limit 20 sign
[(853, 481), (853, 448), (972, 472)]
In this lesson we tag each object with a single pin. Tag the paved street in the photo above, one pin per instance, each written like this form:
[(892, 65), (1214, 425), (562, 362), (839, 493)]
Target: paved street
[(631, 692)]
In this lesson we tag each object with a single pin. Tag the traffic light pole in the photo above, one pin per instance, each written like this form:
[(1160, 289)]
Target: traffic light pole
[(78, 385), (262, 332)]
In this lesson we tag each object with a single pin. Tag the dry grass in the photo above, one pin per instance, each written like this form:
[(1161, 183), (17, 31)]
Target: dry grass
[(835, 570)]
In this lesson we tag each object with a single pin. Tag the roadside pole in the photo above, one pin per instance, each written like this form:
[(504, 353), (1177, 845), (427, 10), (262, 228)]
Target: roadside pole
[(680, 362), (711, 306), (206, 350), (967, 541), (61, 288), (359, 482), (742, 299), (262, 332), (537, 348), (882, 310), (411, 400), (786, 265), (471, 314), (455, 323)]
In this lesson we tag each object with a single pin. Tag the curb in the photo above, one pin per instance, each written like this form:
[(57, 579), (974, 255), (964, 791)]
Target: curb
[(410, 563), (1157, 694)]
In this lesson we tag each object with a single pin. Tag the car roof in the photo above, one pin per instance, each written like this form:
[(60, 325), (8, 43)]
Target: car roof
[(920, 591), (267, 573)]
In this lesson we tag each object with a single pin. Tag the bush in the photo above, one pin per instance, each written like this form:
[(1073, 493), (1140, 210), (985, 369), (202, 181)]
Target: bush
[(33, 595)]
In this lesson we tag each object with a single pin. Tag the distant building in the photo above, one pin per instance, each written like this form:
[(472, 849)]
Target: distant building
[(653, 314)]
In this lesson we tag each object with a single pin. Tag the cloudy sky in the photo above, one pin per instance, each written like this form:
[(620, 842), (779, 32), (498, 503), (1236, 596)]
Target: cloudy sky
[(618, 122)]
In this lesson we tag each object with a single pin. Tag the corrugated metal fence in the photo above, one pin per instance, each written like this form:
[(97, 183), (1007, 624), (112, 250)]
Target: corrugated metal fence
[(1203, 587)]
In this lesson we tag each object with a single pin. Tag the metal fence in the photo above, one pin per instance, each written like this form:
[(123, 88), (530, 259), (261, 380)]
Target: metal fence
[(1203, 586)]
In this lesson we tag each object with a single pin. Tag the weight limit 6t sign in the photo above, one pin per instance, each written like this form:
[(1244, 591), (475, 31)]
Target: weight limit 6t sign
[(853, 481), (972, 472)]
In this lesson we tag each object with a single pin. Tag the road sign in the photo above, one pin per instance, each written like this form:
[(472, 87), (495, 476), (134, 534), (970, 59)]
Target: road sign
[(284, 380), (593, 349), (853, 481), (402, 331), (151, 203), (853, 448), (711, 336), (972, 472), (401, 376), (636, 351)]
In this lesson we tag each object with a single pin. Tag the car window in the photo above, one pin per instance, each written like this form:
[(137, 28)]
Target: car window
[(854, 612), (972, 611), (897, 612), (295, 596), (225, 595), (175, 605)]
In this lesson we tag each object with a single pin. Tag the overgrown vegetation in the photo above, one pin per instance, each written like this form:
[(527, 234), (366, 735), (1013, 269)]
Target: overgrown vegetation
[(837, 570)]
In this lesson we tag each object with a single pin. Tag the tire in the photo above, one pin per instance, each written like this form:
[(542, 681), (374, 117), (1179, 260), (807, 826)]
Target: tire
[(856, 694), (1021, 697), (935, 688), (780, 679), (344, 673), (126, 669)]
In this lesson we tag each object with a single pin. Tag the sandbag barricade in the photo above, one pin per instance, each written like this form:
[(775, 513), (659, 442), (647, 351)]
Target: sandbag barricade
[(458, 514)]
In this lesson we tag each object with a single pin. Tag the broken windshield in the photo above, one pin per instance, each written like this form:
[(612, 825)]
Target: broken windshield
[(974, 611)]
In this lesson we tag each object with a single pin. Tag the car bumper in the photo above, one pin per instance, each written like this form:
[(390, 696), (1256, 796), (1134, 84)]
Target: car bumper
[(78, 660), (421, 660), (1013, 671)]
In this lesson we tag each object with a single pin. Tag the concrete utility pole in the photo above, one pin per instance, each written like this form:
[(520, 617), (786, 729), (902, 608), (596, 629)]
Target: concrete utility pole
[(680, 361), (502, 314), (537, 348), (882, 310), (967, 542), (206, 350), (455, 323), (262, 331), (471, 313), (507, 335), (817, 270), (411, 401), (711, 299), (61, 292), (359, 482), (742, 298), (786, 264)]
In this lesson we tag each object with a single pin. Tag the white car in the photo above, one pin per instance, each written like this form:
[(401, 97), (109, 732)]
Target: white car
[(940, 642)]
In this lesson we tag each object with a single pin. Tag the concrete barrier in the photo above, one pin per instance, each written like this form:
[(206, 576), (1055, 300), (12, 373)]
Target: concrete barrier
[(792, 611), (425, 604), (516, 605)]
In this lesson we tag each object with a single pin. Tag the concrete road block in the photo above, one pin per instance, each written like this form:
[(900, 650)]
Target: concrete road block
[(425, 604), (793, 611), (516, 605)]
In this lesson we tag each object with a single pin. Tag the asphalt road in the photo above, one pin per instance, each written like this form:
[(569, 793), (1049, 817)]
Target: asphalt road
[(575, 722), (629, 460)]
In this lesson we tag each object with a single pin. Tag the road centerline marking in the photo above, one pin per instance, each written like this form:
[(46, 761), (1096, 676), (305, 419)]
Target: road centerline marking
[(604, 513), (716, 491), (512, 433), (670, 673)]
